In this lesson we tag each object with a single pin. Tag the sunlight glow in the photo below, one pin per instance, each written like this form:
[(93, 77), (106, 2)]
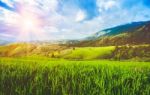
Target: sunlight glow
[(29, 26), (29, 22)]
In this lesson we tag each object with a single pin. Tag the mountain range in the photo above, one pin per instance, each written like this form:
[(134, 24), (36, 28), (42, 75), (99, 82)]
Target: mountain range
[(131, 33)]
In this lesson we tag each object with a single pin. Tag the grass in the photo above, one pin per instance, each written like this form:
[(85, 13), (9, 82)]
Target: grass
[(128, 52), (17, 50), (88, 52), (62, 77)]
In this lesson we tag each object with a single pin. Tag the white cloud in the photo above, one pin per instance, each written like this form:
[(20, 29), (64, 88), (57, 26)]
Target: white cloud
[(66, 24), (51, 29), (109, 5), (49, 5), (6, 35), (105, 5), (80, 16)]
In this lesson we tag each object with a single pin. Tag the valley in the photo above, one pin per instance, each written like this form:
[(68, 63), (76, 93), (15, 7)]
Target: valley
[(111, 64)]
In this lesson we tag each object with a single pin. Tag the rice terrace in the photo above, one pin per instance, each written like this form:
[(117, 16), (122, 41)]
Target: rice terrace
[(74, 47)]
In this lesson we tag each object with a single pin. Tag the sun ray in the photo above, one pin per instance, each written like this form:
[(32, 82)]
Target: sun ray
[(29, 25)]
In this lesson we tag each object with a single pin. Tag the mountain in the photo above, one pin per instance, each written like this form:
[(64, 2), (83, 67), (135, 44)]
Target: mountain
[(6, 40), (3, 42), (132, 33), (117, 29)]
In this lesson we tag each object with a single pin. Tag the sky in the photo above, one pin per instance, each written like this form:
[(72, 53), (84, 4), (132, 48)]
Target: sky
[(25, 20)]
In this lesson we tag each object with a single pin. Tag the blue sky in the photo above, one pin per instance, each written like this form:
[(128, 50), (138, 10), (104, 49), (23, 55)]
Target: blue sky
[(72, 19)]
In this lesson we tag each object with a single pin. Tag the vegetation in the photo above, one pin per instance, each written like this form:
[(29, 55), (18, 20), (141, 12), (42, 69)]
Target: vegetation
[(32, 69), (136, 53), (29, 49), (124, 52), (88, 53), (44, 77), (135, 35), (115, 63)]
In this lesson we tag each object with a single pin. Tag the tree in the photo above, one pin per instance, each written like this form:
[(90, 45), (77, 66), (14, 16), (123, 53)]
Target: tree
[(52, 55), (74, 48)]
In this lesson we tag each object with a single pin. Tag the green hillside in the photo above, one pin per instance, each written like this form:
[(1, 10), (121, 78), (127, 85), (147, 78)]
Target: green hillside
[(55, 51), (124, 52), (134, 35), (88, 53)]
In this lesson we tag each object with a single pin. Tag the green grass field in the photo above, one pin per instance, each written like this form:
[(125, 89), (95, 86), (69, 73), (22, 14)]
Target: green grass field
[(124, 52), (31, 69), (26, 76), (85, 53)]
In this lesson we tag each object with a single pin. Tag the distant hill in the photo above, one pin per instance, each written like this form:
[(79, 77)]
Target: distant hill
[(4, 42), (26, 49), (129, 41), (55, 51), (5, 39), (133, 33)]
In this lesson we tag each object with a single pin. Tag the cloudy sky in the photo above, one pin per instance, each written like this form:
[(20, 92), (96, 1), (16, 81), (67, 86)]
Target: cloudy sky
[(66, 19)]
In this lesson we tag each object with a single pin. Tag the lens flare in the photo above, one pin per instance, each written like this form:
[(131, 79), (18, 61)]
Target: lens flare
[(29, 22), (30, 26)]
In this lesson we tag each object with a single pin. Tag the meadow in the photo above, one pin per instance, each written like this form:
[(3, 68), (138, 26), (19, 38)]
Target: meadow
[(44, 76), (124, 52), (86, 53)]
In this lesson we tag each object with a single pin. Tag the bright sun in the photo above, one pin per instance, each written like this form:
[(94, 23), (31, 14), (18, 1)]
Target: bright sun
[(29, 22), (29, 26)]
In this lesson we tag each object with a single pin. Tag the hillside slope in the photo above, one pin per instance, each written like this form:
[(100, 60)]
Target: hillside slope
[(135, 33), (27, 49), (55, 51)]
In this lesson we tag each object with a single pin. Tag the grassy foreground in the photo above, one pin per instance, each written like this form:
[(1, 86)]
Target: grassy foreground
[(35, 77)]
